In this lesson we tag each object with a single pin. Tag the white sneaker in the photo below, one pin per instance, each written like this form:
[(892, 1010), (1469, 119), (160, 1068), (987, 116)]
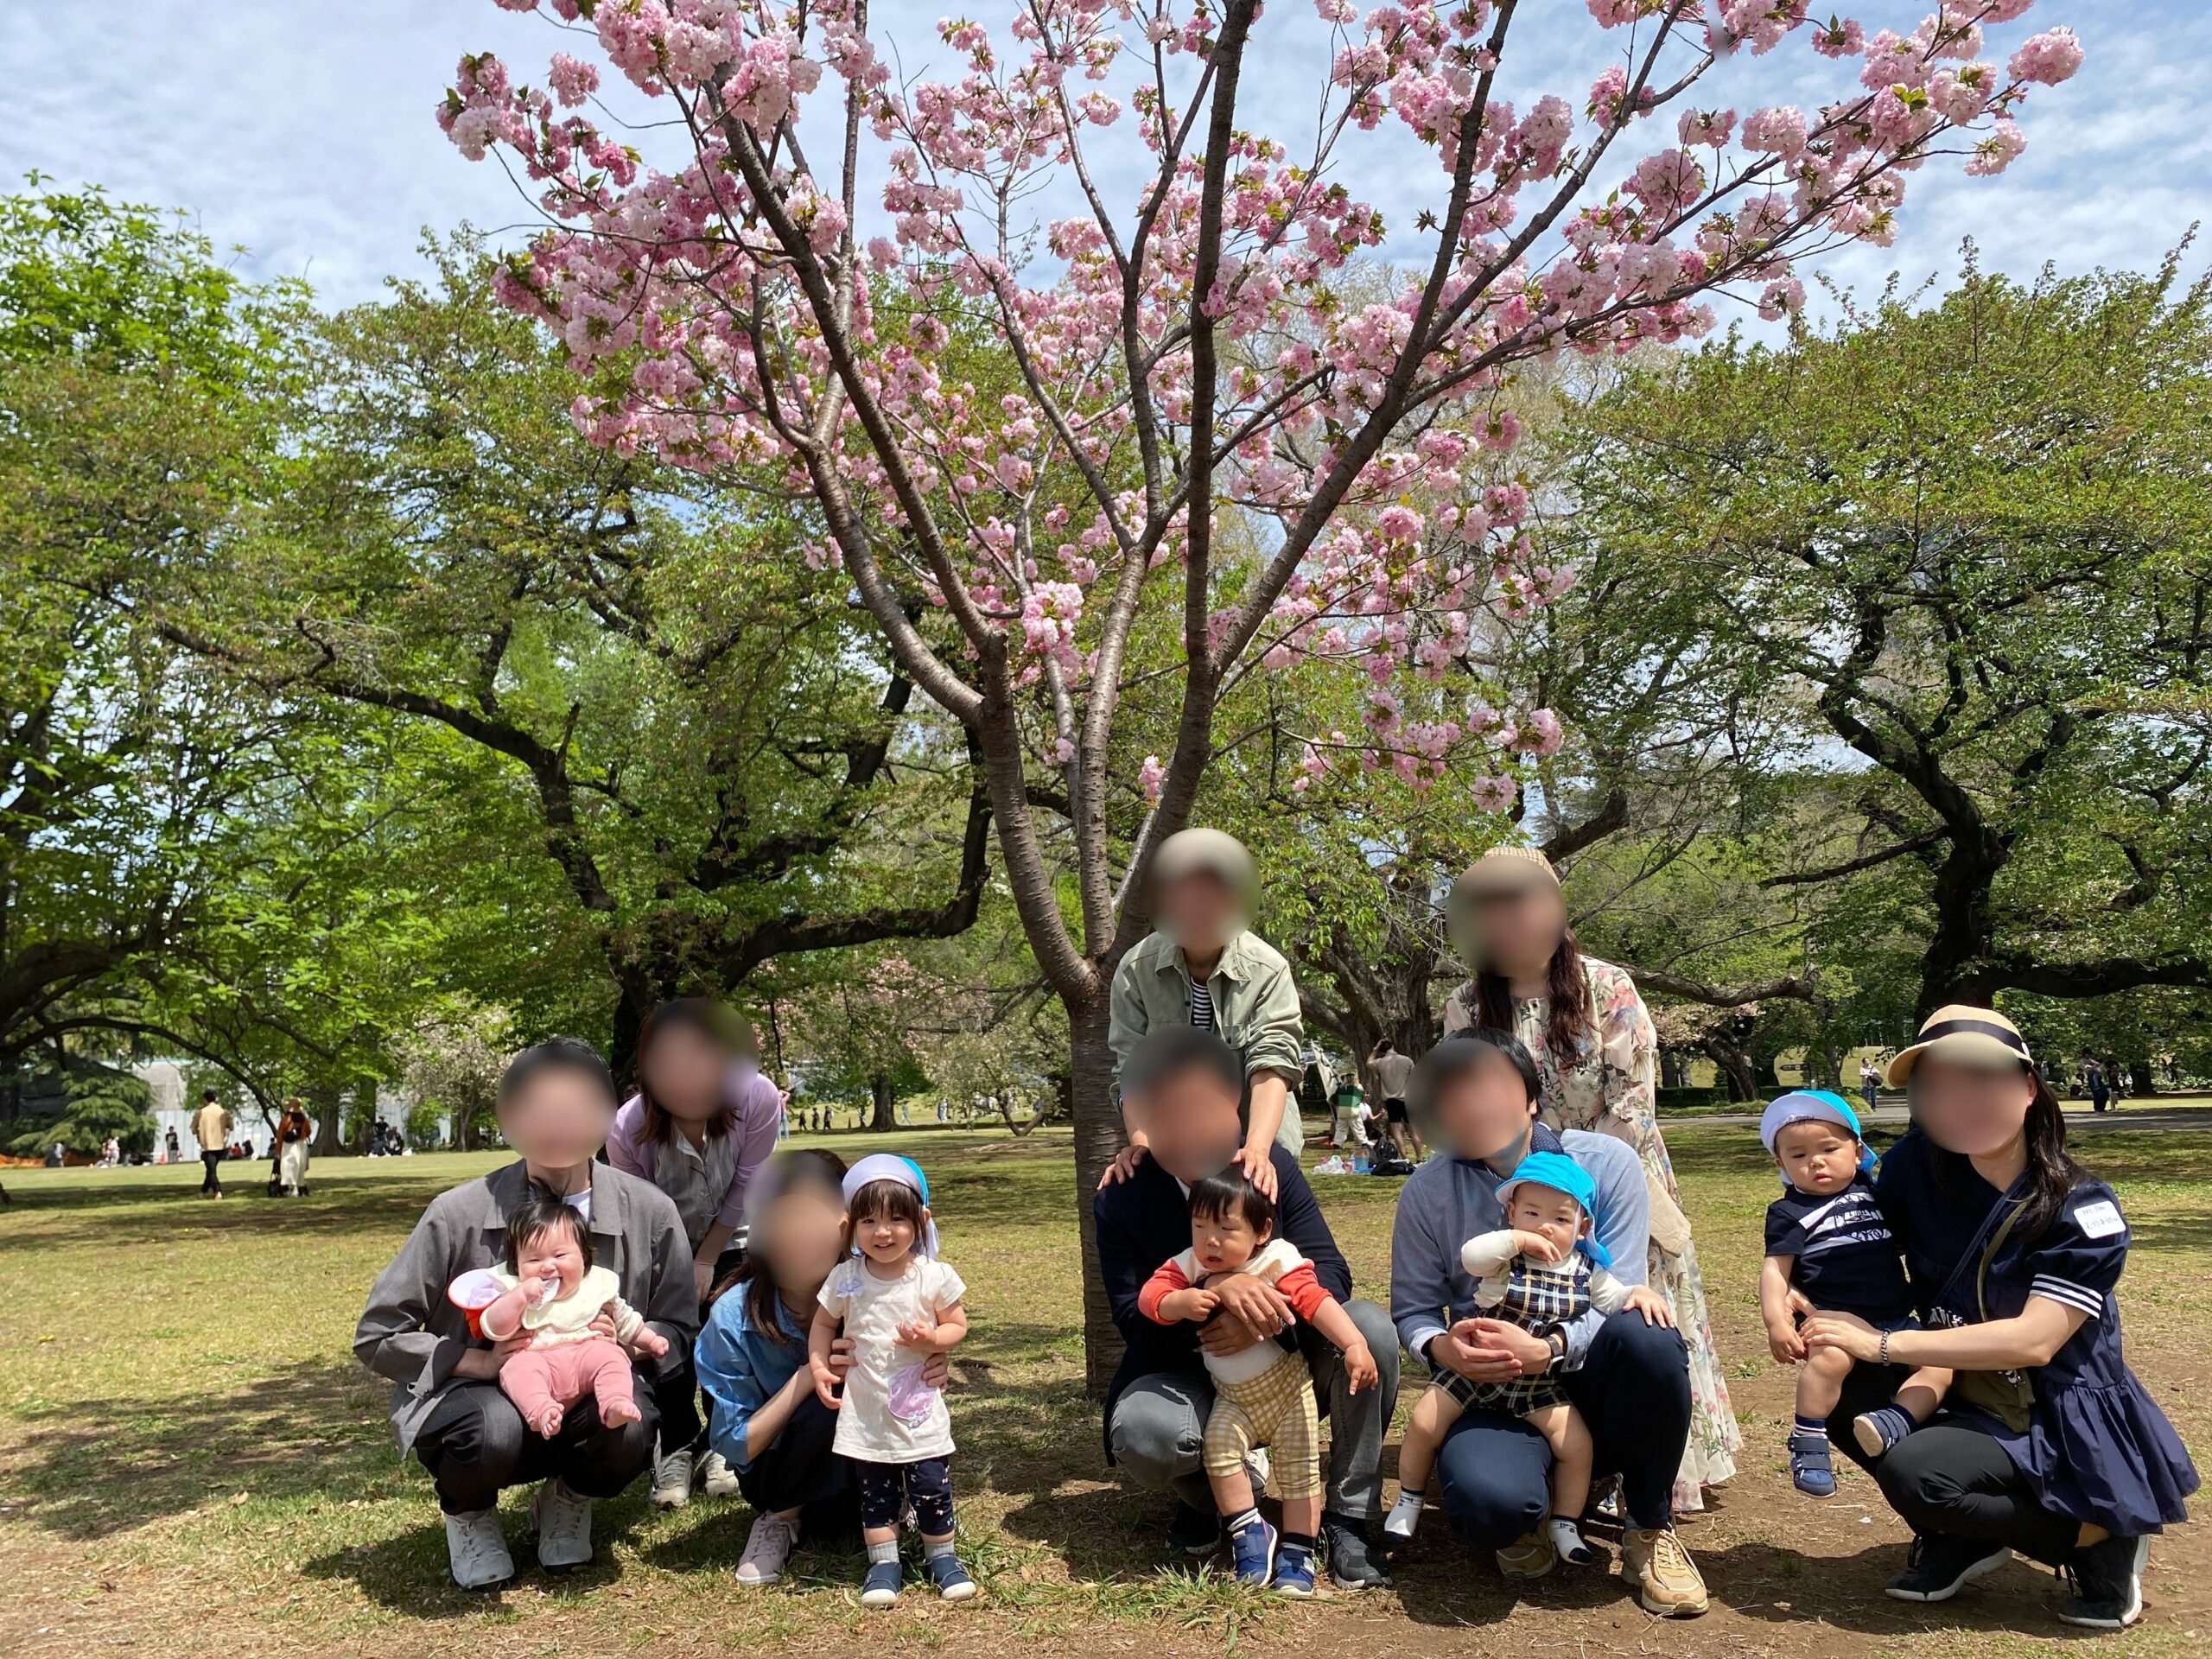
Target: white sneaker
[(716, 1479), (672, 1479), (564, 1527), (767, 1547), (476, 1550), (1258, 1466)]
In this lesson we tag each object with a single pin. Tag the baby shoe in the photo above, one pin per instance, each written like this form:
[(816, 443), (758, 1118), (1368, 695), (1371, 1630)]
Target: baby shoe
[(1294, 1571), (1252, 1545), (881, 1587), (951, 1578), (1811, 1470)]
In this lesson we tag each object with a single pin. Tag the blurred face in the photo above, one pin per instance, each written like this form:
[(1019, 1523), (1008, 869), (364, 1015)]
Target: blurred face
[(1199, 912), (557, 1119), (800, 1238), (885, 1237), (1225, 1241), (552, 1254), (1814, 1157), (1517, 932), (1974, 1110), (688, 1072), (1548, 1213), (1483, 1108), (1190, 1119)]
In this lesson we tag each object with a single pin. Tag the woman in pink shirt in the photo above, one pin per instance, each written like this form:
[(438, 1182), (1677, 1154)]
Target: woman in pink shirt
[(703, 1122)]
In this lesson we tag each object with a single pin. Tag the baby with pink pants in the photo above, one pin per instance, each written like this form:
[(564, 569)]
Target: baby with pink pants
[(551, 1293)]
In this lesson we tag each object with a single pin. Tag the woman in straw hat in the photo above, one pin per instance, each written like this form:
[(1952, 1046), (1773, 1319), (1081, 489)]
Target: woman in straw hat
[(2046, 1443), (1598, 1056)]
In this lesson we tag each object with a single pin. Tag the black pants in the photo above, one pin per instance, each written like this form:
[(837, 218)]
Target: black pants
[(474, 1444), (681, 1424), (210, 1164), (1954, 1481), (799, 1472), (1633, 1391), (888, 1488)]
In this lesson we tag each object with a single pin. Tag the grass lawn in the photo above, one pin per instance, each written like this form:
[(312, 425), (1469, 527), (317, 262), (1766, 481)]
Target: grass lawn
[(191, 1462)]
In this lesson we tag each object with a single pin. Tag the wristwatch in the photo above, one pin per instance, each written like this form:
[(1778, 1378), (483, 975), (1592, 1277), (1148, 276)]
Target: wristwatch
[(1557, 1339)]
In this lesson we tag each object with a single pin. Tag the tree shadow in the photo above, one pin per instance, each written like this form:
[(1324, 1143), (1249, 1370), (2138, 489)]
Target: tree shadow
[(1772, 1582), (90, 1468), (406, 1572)]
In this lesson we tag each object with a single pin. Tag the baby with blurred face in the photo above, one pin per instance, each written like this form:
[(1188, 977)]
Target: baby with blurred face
[(1828, 1248)]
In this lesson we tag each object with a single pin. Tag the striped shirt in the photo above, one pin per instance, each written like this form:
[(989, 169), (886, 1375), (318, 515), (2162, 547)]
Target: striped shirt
[(1201, 1006)]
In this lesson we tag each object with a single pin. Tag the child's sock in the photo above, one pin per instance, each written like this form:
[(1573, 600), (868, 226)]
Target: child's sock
[(1405, 1515), (1877, 1431), (933, 1547), (1567, 1539), (1242, 1519), (878, 1554), (1812, 1428), (1300, 1540)]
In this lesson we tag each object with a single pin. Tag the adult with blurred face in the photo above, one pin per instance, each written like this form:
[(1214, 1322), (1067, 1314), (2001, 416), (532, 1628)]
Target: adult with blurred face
[(2046, 1443), (1597, 1057), (555, 1107), (704, 1121), (1184, 1084), (1204, 968), (1475, 1097)]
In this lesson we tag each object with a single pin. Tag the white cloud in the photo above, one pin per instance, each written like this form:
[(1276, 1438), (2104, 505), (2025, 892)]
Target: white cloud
[(301, 128)]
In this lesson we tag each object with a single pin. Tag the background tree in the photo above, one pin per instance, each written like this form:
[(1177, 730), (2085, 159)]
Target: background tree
[(1188, 365)]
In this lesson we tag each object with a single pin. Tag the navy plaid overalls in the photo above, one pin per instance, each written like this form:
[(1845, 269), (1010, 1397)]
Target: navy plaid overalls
[(1537, 1297)]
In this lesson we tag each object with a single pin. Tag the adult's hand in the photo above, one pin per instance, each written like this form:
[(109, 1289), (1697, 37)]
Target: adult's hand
[(1845, 1331), (703, 1277), (936, 1369), (1259, 1304), (1259, 1167), (1225, 1334), (482, 1364), (1491, 1351), (1124, 1166)]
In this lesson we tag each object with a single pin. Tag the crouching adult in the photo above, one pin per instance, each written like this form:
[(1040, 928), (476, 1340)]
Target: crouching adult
[(1187, 1085), (556, 1104), (1475, 1097)]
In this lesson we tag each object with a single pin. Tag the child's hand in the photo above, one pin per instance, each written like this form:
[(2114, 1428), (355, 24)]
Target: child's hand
[(1784, 1344), (1196, 1303), (826, 1382), (1656, 1309), (917, 1333), (1536, 1245), (649, 1342), (1359, 1367)]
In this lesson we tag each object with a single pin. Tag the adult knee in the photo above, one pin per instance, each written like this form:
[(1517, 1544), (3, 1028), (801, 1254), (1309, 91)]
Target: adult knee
[(1651, 1359), (1486, 1499), (1915, 1481), (1155, 1436)]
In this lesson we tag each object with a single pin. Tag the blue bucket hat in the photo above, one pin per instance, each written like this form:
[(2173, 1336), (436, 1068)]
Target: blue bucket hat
[(1562, 1174), (1812, 1106)]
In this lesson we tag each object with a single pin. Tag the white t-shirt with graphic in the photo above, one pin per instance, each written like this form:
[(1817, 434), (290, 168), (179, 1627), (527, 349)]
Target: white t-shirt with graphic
[(883, 1383)]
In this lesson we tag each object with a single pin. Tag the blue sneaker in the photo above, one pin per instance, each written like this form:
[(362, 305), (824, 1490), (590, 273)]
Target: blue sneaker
[(951, 1578), (881, 1587), (1252, 1545), (1811, 1470), (1294, 1571)]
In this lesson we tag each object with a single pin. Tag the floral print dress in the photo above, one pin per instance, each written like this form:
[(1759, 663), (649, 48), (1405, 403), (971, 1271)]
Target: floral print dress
[(1610, 1087)]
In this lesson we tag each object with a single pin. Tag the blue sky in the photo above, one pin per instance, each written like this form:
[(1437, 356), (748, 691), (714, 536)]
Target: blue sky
[(301, 129)]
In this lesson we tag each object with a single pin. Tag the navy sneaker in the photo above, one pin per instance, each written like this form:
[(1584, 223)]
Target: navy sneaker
[(881, 1587), (951, 1578), (1937, 1568), (1811, 1470), (1294, 1571), (1252, 1545), (2107, 1584)]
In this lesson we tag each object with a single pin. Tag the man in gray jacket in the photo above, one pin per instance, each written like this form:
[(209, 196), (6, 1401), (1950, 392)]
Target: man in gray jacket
[(557, 1103)]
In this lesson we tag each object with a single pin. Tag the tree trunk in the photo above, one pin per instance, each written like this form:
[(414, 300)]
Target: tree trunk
[(2142, 1081), (1098, 1139), (326, 1102), (1735, 1065), (887, 1105), (1671, 1072)]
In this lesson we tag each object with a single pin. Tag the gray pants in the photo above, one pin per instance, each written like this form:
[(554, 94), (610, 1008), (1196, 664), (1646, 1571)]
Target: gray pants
[(1159, 1425)]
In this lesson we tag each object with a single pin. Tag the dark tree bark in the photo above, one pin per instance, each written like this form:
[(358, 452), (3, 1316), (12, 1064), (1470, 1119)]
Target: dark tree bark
[(884, 1102)]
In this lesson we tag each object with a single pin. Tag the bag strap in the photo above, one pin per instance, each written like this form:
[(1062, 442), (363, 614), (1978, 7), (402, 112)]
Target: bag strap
[(1989, 1254), (2000, 1220)]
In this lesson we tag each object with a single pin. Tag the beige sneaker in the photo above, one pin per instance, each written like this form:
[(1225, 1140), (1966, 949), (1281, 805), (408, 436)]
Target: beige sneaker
[(1667, 1581), (1529, 1556)]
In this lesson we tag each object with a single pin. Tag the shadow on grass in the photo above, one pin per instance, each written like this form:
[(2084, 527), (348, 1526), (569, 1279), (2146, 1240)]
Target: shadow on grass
[(1761, 1580), (90, 1468), (407, 1573)]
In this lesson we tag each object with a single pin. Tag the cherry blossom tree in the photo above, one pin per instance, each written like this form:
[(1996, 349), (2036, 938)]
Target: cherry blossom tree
[(1073, 404)]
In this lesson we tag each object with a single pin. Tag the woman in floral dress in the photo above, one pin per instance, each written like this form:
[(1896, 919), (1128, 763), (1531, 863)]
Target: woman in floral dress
[(1597, 1055)]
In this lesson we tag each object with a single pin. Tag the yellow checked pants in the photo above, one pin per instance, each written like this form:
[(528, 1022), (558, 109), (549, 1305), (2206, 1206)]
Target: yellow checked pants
[(1274, 1409)]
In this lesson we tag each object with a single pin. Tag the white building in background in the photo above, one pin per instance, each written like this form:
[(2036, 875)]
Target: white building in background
[(174, 1105)]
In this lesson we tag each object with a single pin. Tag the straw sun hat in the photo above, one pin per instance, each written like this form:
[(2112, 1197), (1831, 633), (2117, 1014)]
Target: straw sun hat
[(1964, 1033)]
